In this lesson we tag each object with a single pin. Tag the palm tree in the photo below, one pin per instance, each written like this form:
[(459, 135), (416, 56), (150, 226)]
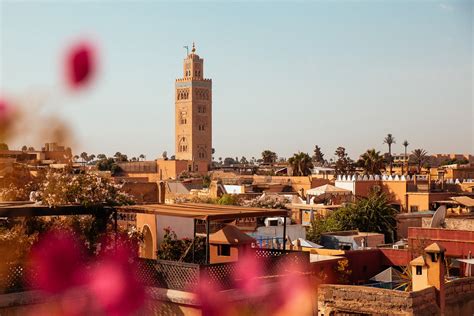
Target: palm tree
[(372, 161), (389, 140), (301, 164), (84, 157), (269, 156), (101, 156), (142, 156), (91, 157), (76, 157), (420, 157), (405, 158)]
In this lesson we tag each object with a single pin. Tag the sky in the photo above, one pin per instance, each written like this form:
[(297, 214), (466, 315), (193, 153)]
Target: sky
[(286, 75)]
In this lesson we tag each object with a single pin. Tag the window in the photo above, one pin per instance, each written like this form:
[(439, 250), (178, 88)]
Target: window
[(202, 109), (414, 208), (223, 250), (201, 127), (419, 270)]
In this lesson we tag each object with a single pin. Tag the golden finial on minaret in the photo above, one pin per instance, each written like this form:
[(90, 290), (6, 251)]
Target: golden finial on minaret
[(194, 48)]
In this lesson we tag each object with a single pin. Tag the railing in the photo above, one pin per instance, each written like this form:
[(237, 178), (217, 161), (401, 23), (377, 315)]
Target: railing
[(181, 275), (186, 276)]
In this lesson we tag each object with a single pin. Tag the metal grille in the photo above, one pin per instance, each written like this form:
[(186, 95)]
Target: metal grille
[(220, 275), (184, 276)]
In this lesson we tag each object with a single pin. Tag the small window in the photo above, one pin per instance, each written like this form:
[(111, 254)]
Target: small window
[(414, 208), (418, 270), (223, 250)]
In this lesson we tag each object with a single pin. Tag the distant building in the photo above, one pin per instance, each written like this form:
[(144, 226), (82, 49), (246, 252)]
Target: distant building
[(51, 153)]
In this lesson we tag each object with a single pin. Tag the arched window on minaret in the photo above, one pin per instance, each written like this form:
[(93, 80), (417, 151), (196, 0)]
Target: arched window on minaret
[(183, 145), (201, 153)]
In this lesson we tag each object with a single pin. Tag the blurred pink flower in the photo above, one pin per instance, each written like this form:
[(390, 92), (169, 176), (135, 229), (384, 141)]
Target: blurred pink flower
[(212, 301), (294, 292), (3, 110), (114, 280), (58, 262), (80, 64), (247, 272)]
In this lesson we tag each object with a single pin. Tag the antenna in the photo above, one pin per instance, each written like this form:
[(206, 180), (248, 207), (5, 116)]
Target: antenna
[(437, 221), (187, 49)]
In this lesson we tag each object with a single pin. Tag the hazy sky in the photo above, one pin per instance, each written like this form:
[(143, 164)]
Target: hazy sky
[(286, 75)]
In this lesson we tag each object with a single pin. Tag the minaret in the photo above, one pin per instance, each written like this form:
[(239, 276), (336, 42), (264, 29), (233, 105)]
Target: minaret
[(193, 106)]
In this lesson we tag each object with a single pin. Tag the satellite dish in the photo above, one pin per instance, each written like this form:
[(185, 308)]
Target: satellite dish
[(437, 221)]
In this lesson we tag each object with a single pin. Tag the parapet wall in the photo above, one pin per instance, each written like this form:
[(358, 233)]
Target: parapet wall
[(375, 301), (460, 296)]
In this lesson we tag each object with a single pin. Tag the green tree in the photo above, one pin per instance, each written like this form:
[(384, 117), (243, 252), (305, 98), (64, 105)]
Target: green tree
[(318, 157), (372, 162), (371, 214), (269, 156), (171, 248), (228, 199), (301, 164), (389, 140), (84, 157), (3, 146), (119, 157), (419, 157), (405, 158), (343, 164)]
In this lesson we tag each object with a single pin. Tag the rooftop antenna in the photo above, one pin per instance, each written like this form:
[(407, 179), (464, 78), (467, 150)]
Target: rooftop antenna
[(187, 49)]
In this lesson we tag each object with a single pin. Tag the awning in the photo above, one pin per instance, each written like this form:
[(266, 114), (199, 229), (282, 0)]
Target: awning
[(464, 200), (328, 189), (388, 275), (306, 243)]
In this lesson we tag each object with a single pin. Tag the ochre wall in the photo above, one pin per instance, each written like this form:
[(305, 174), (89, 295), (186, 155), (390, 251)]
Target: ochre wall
[(150, 221), (214, 258)]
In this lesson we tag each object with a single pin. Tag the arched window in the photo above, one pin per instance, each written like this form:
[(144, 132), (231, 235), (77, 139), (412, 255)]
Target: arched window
[(201, 153), (183, 145)]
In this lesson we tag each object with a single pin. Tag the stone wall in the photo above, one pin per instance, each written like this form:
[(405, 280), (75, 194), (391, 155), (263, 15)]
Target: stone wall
[(460, 297), (459, 222), (347, 299)]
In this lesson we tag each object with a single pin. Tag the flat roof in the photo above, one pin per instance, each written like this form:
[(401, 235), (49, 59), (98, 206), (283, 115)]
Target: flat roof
[(313, 206), (189, 210), (203, 211)]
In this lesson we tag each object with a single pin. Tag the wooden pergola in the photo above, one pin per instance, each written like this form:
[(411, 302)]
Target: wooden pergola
[(196, 211), (207, 213)]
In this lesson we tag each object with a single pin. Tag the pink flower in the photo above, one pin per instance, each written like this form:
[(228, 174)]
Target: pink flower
[(114, 280), (247, 272), (57, 262), (212, 301), (3, 110), (80, 64)]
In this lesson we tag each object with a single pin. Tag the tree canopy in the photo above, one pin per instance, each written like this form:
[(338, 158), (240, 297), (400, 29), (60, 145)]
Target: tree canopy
[(371, 214), (372, 162), (301, 164), (269, 156)]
